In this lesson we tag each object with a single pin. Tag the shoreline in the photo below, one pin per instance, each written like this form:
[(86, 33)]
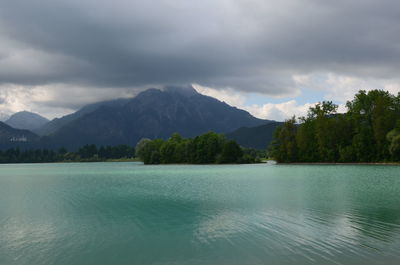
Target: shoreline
[(268, 162), (83, 161), (343, 164)]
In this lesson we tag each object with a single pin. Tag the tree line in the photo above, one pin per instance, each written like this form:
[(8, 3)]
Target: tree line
[(368, 132), (209, 148), (87, 153)]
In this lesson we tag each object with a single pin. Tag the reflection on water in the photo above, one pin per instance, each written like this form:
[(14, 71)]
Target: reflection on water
[(124, 213)]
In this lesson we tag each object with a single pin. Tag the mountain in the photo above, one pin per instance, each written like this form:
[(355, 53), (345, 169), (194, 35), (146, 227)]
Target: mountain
[(11, 137), (153, 114), (26, 120), (258, 137), (57, 123)]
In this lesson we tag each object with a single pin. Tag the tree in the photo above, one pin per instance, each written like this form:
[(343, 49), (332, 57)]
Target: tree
[(88, 151), (373, 115), (173, 150), (284, 145), (205, 148), (325, 119), (149, 151), (393, 138), (140, 149), (307, 144), (231, 153)]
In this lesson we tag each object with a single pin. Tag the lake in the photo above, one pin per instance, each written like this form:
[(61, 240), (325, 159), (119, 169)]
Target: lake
[(128, 213)]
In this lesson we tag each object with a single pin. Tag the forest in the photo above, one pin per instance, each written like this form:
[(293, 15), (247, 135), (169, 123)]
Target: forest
[(87, 153), (368, 132), (208, 148)]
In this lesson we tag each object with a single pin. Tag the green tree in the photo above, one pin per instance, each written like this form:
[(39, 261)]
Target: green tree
[(149, 151), (325, 122), (284, 145), (307, 144), (231, 153), (373, 114), (205, 148), (173, 150), (140, 149), (393, 138)]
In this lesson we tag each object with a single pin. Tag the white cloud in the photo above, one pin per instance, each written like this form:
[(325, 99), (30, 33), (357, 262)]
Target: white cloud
[(279, 111), (18, 98), (342, 88), (53, 100), (228, 95), (270, 111)]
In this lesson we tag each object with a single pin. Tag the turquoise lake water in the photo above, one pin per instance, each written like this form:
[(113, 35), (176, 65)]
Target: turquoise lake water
[(128, 213)]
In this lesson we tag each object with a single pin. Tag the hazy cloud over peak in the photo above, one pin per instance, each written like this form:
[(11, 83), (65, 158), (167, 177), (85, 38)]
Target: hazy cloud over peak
[(245, 45)]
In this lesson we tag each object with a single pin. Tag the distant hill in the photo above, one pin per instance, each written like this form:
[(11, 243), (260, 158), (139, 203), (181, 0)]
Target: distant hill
[(153, 114), (11, 137), (258, 137), (57, 123), (26, 120)]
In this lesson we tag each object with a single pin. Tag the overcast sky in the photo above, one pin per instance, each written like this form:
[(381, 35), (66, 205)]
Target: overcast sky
[(273, 58)]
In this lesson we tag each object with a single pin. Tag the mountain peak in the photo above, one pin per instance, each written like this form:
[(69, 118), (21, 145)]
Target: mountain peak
[(183, 90), (26, 120)]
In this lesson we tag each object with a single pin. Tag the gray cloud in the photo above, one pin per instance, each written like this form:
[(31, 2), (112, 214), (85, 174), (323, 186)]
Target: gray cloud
[(248, 45)]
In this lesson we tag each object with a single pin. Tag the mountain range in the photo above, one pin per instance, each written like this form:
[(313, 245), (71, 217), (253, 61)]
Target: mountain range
[(154, 113)]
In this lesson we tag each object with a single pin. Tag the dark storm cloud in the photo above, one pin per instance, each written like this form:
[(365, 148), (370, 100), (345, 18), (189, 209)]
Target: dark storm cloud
[(249, 45)]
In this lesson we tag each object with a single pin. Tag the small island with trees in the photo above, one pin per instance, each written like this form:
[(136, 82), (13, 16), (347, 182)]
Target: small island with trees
[(209, 148)]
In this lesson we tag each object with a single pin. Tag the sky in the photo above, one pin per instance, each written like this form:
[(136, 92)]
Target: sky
[(272, 58)]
